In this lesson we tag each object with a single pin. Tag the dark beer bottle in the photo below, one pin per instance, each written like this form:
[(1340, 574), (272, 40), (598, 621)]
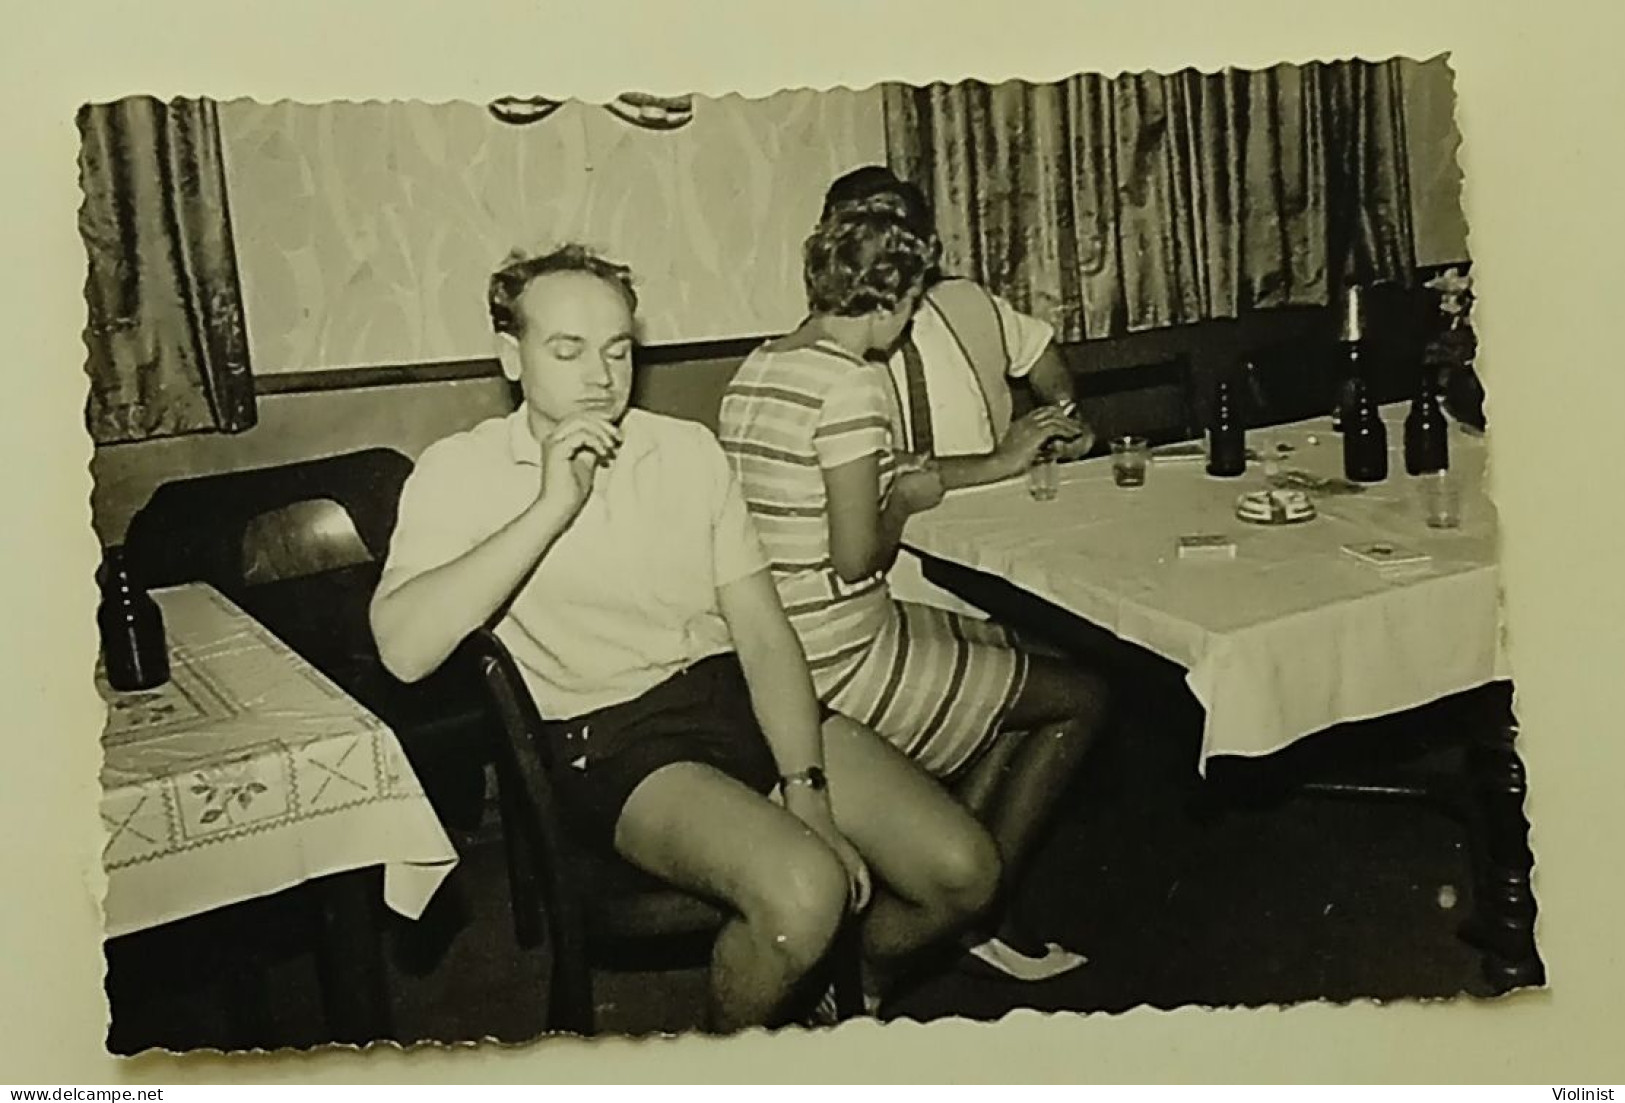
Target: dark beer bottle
[(1365, 438), (1427, 438), (1227, 439), (1350, 338), (132, 630)]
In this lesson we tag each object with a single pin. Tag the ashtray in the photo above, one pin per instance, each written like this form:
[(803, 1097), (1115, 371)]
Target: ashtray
[(1275, 507)]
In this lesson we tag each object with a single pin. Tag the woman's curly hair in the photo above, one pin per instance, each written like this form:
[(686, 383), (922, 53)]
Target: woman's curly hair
[(508, 282), (867, 181), (865, 256)]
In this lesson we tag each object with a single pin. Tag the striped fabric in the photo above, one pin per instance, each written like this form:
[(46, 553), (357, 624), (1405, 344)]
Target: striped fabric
[(934, 684), (785, 417)]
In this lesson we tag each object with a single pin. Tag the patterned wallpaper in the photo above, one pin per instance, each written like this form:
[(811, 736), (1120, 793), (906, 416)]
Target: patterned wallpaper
[(366, 231)]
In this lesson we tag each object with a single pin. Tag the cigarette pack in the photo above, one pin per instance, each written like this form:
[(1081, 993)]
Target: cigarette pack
[(1184, 452), (1391, 561), (1380, 553), (1207, 545), (1191, 451)]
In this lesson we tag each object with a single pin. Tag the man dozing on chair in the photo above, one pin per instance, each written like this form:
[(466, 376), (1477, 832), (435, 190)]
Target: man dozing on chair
[(613, 552)]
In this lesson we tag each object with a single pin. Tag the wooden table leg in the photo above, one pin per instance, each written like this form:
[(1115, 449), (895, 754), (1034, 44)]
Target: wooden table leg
[(846, 964), (1503, 920), (350, 958), (1489, 800), (1503, 917)]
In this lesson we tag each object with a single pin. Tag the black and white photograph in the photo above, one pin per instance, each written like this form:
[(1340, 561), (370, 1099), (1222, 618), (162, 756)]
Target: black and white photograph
[(692, 564)]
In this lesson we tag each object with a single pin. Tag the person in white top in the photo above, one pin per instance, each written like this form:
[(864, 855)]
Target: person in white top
[(953, 374), (971, 348), (613, 553)]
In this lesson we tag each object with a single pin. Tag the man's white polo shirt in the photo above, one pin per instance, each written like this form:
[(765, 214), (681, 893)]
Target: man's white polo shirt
[(627, 596)]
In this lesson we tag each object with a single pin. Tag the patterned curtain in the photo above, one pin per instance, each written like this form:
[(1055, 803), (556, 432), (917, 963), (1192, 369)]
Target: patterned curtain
[(1111, 205), (167, 348)]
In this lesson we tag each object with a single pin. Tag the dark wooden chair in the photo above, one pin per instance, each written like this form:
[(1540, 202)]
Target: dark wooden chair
[(237, 529), (589, 911), (299, 547)]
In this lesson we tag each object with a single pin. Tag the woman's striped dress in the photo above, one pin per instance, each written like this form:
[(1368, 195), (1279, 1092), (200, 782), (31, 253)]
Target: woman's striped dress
[(934, 684)]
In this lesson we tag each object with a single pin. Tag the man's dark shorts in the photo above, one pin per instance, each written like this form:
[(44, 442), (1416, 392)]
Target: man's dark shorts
[(702, 714)]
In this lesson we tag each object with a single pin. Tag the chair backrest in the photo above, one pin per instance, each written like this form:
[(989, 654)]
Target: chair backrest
[(301, 539), (238, 528), (527, 790), (569, 877)]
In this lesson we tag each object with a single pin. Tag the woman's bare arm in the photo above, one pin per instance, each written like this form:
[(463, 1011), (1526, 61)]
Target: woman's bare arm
[(864, 535)]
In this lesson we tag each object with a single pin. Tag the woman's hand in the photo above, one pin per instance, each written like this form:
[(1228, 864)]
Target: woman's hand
[(812, 808), (920, 489), (571, 456)]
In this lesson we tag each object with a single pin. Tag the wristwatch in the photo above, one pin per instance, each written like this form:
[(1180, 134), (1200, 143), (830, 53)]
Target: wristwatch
[(813, 777)]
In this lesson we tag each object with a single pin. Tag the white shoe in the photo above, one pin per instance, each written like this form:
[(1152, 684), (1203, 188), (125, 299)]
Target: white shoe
[(1057, 960)]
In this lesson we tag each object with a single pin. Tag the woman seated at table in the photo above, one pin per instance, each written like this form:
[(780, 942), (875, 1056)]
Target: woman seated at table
[(806, 423), (613, 553)]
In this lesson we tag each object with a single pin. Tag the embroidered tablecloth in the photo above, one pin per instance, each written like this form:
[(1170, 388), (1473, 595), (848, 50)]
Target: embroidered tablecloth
[(250, 772), (1291, 636)]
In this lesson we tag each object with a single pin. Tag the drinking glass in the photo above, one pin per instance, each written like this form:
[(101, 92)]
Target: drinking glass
[(1043, 477), (1129, 458), (1440, 493)]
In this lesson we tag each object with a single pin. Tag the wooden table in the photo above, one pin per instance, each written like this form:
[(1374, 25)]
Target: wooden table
[(1290, 637), (248, 773)]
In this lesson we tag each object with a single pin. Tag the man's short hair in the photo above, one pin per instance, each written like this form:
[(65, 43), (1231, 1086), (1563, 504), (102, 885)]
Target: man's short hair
[(868, 181), (864, 257), (509, 281)]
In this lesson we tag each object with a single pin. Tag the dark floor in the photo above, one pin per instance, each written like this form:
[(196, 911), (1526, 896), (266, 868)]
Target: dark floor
[(1310, 898)]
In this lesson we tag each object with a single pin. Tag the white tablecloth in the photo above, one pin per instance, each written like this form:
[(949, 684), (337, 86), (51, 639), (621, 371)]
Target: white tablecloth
[(1291, 636), (248, 773)]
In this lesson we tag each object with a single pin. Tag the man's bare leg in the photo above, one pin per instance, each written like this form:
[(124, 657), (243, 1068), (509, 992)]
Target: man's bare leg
[(707, 833)]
